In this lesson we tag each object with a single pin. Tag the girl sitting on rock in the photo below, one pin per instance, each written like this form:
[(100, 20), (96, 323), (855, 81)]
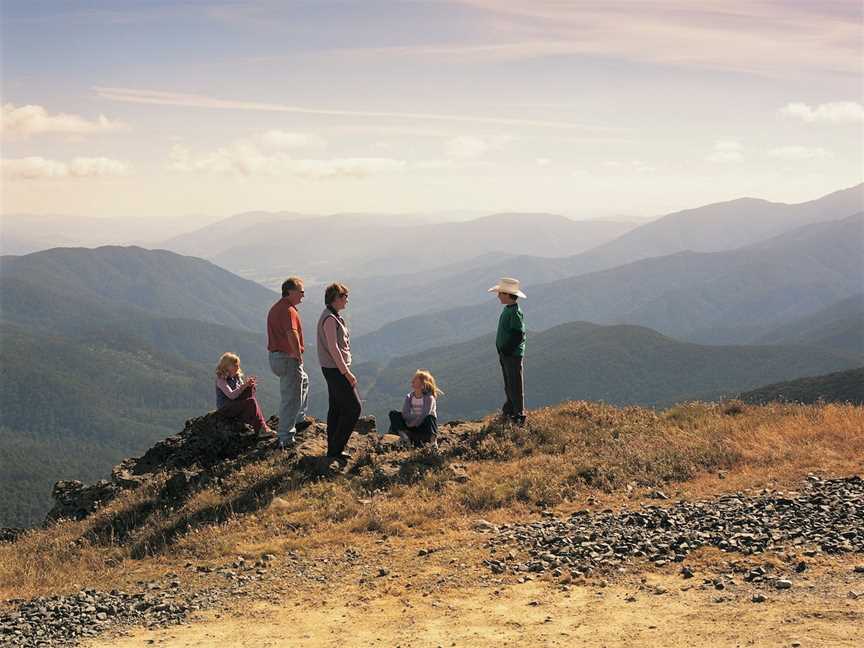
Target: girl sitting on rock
[(235, 395), (417, 423)]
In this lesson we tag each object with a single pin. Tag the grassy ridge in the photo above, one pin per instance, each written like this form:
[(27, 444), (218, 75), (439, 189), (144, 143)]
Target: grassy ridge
[(566, 454)]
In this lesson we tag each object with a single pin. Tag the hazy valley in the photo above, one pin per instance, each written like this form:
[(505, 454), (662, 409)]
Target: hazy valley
[(111, 347)]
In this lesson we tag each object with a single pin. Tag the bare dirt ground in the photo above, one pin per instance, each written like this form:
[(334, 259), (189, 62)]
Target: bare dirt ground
[(448, 599)]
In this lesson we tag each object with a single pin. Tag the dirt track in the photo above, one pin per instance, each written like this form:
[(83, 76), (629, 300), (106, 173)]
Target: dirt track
[(817, 612)]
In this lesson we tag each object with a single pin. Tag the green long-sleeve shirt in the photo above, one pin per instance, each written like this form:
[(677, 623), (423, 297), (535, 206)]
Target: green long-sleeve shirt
[(510, 339)]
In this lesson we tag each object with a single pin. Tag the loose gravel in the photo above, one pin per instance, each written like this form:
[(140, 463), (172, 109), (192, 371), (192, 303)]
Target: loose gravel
[(826, 516)]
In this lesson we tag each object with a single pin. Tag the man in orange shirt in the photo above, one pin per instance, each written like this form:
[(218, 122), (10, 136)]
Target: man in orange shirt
[(285, 344)]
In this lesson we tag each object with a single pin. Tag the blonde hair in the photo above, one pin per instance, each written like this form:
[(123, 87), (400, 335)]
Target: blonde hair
[(228, 360), (429, 384)]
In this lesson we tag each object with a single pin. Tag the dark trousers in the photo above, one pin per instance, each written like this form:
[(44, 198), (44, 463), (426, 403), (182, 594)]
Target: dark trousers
[(343, 411), (514, 387), (245, 408), (420, 435)]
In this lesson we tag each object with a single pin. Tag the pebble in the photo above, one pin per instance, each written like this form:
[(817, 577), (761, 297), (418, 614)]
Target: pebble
[(823, 517), (63, 621)]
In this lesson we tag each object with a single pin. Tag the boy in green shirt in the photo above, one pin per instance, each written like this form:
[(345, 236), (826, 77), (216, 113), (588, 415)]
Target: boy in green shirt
[(510, 342)]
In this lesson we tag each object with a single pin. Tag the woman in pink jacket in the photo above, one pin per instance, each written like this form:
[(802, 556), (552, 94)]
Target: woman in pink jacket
[(334, 354)]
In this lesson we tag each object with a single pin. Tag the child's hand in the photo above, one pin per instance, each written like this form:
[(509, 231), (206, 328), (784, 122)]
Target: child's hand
[(352, 379)]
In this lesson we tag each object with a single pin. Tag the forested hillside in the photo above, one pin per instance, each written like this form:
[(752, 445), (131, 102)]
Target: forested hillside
[(103, 354), (615, 364), (837, 387)]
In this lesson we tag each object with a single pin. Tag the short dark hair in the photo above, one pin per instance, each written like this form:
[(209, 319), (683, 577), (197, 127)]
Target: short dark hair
[(291, 283), (333, 291)]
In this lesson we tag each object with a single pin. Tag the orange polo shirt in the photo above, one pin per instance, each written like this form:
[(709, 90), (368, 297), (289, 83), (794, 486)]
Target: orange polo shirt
[(281, 320)]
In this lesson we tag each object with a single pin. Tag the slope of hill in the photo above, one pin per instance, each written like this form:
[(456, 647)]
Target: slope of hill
[(217, 237), (616, 364), (720, 297), (839, 327), (724, 226), (128, 281), (837, 387)]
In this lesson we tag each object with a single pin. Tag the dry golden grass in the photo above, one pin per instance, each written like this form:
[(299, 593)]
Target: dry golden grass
[(564, 455)]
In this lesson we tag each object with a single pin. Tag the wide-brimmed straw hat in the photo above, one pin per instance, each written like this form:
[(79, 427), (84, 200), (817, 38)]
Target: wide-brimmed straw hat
[(509, 286)]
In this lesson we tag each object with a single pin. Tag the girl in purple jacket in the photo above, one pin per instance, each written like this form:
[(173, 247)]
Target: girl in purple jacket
[(235, 394), (417, 423)]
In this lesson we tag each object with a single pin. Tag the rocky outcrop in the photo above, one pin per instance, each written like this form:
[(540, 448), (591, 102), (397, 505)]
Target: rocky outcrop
[(207, 445), (208, 448)]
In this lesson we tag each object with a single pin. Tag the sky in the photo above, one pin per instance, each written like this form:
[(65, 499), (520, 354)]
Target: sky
[(161, 109)]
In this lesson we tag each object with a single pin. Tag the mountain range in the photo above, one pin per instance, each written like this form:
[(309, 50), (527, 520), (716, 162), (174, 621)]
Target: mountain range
[(347, 248), (106, 349), (713, 228), (713, 298)]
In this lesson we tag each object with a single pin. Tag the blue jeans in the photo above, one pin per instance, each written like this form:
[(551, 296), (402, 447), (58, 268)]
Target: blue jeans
[(294, 389)]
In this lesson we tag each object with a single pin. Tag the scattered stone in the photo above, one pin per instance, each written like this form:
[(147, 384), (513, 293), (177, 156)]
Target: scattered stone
[(484, 526), (859, 569), (758, 598), (783, 584), (383, 572), (686, 572), (825, 515)]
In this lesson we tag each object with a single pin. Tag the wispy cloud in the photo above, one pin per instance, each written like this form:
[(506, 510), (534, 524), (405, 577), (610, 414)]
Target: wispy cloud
[(39, 168), (247, 158), (628, 165), (771, 37), (468, 147), (278, 140), (796, 153), (162, 98), (24, 121), (726, 151), (837, 112)]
